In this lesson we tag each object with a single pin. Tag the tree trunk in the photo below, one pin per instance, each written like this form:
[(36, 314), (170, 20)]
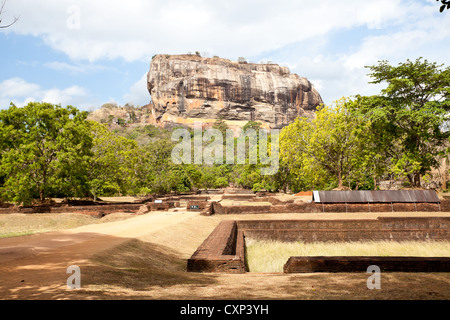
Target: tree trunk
[(340, 183), (417, 180), (42, 187), (41, 195), (411, 180), (444, 174)]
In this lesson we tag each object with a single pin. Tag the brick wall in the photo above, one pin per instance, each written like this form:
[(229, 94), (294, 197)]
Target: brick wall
[(218, 253), (196, 205), (360, 264), (312, 207), (383, 228), (93, 210), (224, 249)]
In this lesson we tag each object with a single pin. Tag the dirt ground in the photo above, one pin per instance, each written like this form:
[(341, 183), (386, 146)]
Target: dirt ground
[(144, 257)]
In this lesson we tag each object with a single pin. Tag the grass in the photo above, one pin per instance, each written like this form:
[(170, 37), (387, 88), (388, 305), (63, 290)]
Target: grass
[(270, 256), (17, 224)]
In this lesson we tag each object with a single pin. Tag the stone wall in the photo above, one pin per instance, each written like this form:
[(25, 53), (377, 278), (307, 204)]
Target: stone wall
[(312, 207), (93, 210), (224, 249), (196, 205), (164, 206), (383, 228), (360, 264)]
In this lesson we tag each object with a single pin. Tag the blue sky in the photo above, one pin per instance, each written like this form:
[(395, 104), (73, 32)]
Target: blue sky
[(86, 53)]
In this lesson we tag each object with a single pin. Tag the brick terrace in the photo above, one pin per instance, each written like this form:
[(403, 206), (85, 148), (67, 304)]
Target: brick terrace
[(224, 249)]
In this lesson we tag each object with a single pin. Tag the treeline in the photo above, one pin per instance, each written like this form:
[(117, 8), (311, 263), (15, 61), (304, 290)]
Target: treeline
[(52, 151), (402, 133)]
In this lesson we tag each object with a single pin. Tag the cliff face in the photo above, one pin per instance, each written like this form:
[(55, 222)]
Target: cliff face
[(188, 88)]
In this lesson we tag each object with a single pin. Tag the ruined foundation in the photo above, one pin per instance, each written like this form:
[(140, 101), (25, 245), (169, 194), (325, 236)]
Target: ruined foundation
[(224, 250), (278, 206)]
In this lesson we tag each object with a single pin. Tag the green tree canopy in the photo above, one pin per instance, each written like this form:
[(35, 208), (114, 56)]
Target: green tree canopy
[(42, 147), (411, 112), (330, 146), (113, 164)]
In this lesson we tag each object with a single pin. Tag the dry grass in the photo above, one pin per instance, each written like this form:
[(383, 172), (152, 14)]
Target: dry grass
[(17, 224), (270, 256)]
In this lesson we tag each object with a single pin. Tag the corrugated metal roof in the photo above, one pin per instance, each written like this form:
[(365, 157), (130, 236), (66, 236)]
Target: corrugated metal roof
[(383, 196)]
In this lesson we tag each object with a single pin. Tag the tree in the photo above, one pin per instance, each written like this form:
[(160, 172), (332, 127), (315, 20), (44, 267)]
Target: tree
[(194, 174), (222, 126), (43, 147), (113, 164), (410, 112), (330, 145), (242, 60), (159, 173), (247, 175), (252, 125), (1, 12)]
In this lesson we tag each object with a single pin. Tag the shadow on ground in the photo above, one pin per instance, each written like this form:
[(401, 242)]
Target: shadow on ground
[(138, 269), (141, 270)]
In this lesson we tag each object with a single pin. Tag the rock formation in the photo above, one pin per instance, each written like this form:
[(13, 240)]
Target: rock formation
[(188, 88), (114, 115)]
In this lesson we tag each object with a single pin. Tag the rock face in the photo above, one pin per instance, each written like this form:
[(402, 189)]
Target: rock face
[(114, 115), (188, 88)]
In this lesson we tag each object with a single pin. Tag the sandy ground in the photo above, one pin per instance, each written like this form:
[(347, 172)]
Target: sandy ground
[(144, 257), (35, 266)]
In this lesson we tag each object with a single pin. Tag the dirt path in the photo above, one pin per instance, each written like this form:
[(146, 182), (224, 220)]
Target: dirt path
[(35, 266)]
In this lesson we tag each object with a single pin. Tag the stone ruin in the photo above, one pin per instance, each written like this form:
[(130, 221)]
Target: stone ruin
[(224, 249)]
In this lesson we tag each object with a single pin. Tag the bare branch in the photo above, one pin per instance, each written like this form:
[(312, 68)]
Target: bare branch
[(9, 25), (1, 11)]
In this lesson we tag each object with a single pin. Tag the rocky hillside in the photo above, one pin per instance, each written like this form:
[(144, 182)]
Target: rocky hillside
[(188, 88), (128, 115)]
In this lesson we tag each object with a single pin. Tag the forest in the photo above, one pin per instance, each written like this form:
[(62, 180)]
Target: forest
[(49, 151)]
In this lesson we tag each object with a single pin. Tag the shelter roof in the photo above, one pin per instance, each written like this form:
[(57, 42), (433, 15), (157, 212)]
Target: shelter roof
[(379, 196)]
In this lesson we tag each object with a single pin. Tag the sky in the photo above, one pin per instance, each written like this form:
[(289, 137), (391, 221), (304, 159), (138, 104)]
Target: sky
[(86, 53)]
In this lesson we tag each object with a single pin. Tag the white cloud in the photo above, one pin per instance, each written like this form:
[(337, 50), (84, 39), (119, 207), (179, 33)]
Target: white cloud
[(17, 87), (64, 96), (74, 68), (138, 94), (136, 29), (425, 33), (21, 92), (394, 45)]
